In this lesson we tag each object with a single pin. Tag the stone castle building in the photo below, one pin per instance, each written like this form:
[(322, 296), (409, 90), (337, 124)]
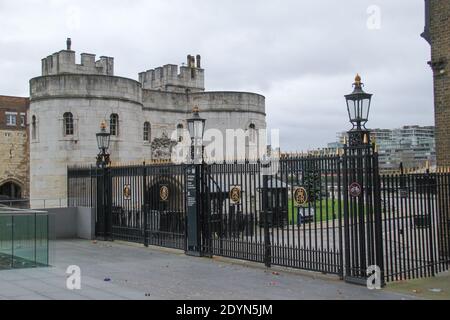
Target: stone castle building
[(437, 33), (69, 101), (14, 148)]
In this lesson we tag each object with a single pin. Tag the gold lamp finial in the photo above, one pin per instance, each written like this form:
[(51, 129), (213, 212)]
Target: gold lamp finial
[(103, 125), (358, 79), (366, 139), (196, 109)]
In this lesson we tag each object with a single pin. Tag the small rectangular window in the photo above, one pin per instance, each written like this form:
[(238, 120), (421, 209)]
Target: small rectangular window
[(22, 120), (11, 119)]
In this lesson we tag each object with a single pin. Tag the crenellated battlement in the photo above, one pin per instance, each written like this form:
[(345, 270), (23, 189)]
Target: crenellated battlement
[(63, 62), (175, 79)]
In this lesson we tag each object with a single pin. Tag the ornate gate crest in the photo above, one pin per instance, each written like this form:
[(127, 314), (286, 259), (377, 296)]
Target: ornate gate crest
[(355, 190), (127, 192), (300, 196), (164, 193), (235, 195)]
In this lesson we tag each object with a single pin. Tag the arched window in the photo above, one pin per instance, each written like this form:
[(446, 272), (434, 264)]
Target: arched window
[(252, 132), (180, 131), (147, 131), (114, 124), (11, 190), (68, 124), (33, 127)]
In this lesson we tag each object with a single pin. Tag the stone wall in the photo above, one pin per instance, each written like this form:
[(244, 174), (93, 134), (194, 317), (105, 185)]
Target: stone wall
[(189, 78), (223, 110), (14, 146), (64, 62)]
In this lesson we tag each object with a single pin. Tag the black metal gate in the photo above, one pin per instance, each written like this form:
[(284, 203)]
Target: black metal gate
[(141, 203), (330, 213), (288, 214)]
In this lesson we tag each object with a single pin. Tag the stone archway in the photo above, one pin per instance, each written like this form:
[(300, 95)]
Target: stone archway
[(165, 194), (10, 190), (165, 200)]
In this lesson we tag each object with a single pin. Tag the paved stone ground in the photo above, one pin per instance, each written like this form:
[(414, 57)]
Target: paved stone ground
[(152, 273), (437, 288)]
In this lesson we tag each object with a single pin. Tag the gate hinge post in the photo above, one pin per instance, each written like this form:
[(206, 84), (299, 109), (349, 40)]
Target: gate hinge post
[(265, 197)]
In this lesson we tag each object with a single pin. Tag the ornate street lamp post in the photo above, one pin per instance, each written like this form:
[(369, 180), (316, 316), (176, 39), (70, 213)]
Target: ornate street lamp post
[(103, 139), (196, 127), (362, 211), (358, 107), (103, 161), (194, 184)]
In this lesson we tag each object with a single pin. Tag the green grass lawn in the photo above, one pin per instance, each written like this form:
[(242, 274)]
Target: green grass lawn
[(321, 207)]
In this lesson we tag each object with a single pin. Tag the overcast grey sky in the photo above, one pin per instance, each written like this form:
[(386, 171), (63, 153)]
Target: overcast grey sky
[(302, 55)]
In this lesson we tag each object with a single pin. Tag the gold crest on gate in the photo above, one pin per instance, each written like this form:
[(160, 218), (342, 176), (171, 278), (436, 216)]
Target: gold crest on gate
[(164, 193), (127, 192), (235, 195), (300, 196)]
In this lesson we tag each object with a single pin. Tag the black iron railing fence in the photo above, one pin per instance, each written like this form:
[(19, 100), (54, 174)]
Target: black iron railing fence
[(415, 214), (334, 214)]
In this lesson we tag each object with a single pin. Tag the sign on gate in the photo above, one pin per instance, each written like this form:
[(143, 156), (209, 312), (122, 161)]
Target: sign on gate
[(355, 190), (193, 241), (300, 196), (235, 195), (164, 193), (127, 192)]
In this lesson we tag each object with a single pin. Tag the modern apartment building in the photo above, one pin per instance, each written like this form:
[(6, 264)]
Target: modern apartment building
[(412, 146)]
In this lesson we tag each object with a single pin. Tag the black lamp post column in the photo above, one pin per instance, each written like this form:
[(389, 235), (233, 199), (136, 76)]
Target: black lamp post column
[(103, 187), (195, 185), (362, 215)]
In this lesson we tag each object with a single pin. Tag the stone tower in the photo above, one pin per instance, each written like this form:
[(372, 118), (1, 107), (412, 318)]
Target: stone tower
[(147, 118), (437, 33)]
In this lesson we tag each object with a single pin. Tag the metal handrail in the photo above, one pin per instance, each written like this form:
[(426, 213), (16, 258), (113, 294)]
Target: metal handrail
[(14, 211), (53, 202)]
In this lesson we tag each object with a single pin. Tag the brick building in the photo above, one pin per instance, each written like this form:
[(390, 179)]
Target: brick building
[(14, 148), (437, 33)]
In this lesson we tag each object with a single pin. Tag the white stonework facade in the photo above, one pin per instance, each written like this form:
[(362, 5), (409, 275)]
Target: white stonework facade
[(90, 93)]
